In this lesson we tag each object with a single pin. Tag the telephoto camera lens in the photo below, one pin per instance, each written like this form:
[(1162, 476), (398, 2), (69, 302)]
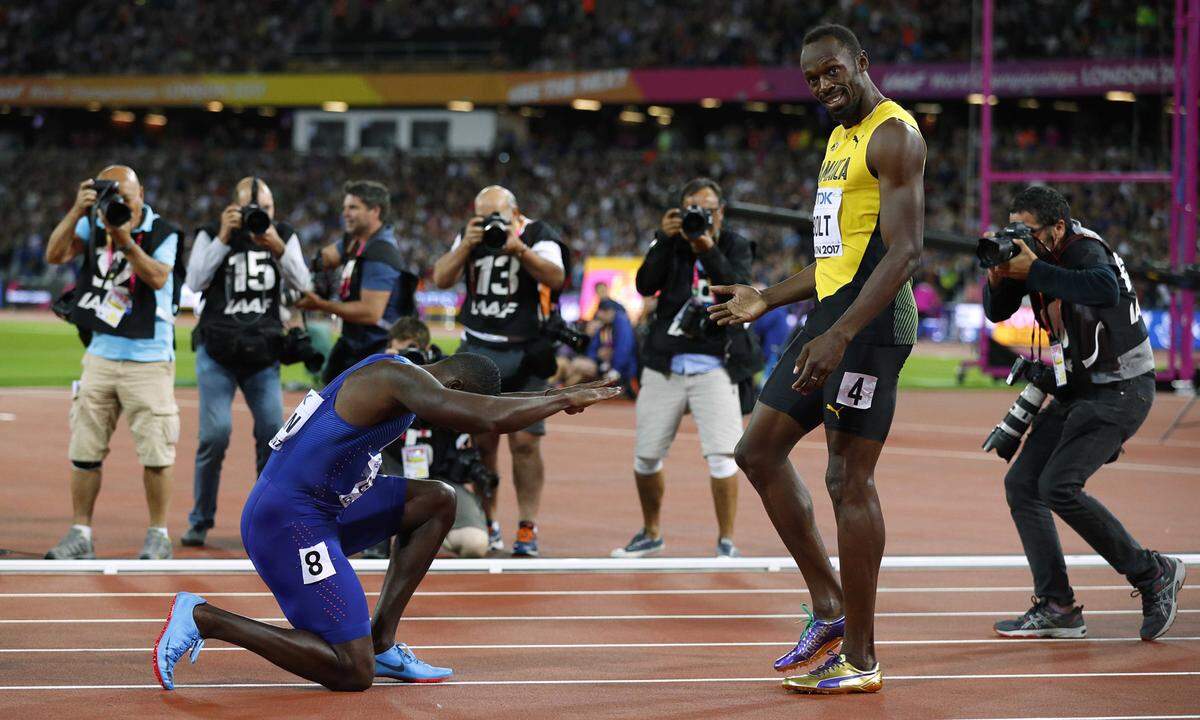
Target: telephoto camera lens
[(495, 233), (695, 221), (255, 219), (1005, 438), (995, 251)]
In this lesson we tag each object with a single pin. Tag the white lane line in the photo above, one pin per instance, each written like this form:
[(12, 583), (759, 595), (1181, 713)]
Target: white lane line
[(576, 593), (634, 646), (614, 681), (557, 618)]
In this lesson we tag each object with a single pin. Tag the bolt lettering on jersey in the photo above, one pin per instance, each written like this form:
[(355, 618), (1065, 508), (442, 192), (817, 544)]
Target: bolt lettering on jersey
[(847, 240)]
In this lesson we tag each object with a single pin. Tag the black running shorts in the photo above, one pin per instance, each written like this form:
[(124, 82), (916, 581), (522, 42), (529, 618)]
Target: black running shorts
[(859, 397)]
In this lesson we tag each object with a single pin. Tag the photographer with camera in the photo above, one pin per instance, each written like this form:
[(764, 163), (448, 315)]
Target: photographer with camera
[(689, 362), (508, 260), (1102, 380), (376, 287), (242, 266), (124, 306), (425, 452)]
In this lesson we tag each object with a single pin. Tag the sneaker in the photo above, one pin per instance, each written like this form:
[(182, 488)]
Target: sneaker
[(820, 638), (495, 539), (837, 677), (399, 663), (179, 635), (73, 546), (1040, 621), (382, 551), (641, 545), (194, 537), (157, 546), (526, 544), (1160, 599), (726, 549)]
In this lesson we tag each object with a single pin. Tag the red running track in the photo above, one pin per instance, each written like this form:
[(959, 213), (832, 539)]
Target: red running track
[(600, 645)]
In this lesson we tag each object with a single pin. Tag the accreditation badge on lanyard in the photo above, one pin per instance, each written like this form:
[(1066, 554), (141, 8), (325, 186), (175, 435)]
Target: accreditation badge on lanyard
[(117, 302), (348, 272), (827, 234)]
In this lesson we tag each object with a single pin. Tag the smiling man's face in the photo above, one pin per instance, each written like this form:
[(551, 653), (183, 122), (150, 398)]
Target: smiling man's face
[(834, 76)]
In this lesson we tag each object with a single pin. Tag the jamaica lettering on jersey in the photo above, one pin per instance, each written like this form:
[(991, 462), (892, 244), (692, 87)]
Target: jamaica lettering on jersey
[(846, 236)]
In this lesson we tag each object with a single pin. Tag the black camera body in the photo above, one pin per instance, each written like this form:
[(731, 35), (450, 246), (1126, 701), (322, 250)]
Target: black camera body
[(1005, 438), (695, 221), (109, 203), (469, 469), (296, 347), (694, 322), (495, 234), (555, 329), (417, 356), (1000, 248)]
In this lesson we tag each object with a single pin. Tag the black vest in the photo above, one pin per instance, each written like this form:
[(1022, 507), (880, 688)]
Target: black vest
[(244, 295), (377, 250), (500, 301), (1095, 337), (100, 273)]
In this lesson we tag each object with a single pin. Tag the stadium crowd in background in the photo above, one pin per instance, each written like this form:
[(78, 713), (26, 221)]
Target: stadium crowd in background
[(598, 197), (292, 35)]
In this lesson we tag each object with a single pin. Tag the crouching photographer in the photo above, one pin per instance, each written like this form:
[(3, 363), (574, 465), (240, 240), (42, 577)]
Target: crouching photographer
[(689, 362), (514, 268), (425, 452), (1102, 380), (244, 267)]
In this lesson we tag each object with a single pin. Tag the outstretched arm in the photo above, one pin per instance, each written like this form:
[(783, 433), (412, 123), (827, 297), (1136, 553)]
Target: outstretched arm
[(381, 391)]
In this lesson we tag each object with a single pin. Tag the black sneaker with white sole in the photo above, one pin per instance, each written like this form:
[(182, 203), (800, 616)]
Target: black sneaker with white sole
[(1041, 621), (1160, 599)]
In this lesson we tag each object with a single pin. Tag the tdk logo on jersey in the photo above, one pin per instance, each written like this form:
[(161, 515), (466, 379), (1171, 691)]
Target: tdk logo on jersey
[(835, 170), (826, 197)]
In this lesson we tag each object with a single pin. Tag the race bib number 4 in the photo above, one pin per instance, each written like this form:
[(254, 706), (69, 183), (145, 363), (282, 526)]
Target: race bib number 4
[(827, 234), (857, 390), (303, 412), (315, 564)]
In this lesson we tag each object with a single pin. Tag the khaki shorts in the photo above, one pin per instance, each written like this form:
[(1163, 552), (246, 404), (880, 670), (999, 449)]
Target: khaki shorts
[(712, 398), (144, 391)]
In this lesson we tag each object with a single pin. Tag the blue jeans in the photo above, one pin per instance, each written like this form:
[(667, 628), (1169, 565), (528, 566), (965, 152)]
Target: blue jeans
[(217, 387)]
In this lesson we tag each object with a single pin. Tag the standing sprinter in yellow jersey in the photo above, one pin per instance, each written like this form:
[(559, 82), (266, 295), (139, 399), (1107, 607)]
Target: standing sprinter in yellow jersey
[(843, 368)]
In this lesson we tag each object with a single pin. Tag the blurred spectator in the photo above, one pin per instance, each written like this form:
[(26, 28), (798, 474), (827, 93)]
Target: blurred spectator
[(166, 36), (773, 331)]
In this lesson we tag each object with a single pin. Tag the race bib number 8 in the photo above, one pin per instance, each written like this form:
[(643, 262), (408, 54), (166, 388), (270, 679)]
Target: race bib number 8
[(827, 234), (315, 564), (303, 412)]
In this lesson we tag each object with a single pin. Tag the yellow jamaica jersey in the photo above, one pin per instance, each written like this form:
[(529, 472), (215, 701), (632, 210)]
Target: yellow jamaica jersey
[(846, 236)]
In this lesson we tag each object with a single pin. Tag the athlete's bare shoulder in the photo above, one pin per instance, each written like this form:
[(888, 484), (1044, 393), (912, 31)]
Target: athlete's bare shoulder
[(896, 149), (374, 393)]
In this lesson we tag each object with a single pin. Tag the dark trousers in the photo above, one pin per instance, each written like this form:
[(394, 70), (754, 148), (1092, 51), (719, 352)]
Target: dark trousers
[(1067, 444), (344, 355)]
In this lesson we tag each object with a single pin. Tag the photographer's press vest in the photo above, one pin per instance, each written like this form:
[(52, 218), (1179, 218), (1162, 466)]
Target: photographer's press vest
[(376, 249), (244, 295), (503, 299), (1093, 338), (106, 268)]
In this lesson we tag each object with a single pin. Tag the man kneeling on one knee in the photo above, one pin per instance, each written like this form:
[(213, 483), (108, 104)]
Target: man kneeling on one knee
[(425, 451)]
